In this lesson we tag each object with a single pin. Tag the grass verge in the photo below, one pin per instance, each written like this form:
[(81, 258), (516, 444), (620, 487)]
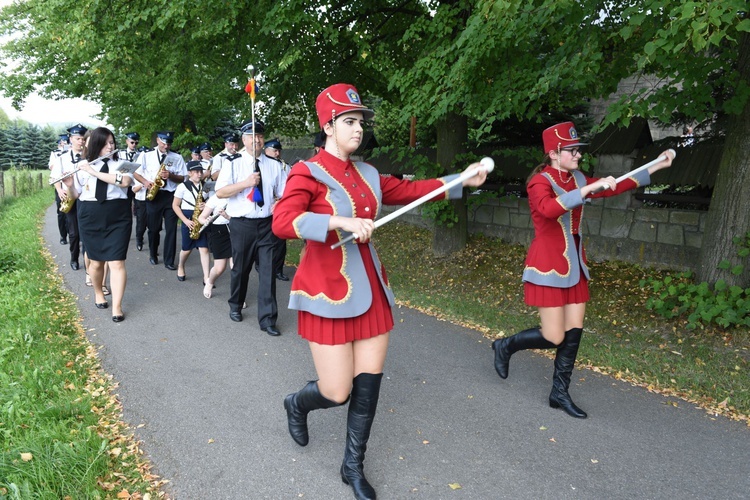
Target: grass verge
[(61, 434), (481, 287)]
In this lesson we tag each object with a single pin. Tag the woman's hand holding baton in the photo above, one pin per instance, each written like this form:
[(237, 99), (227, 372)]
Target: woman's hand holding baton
[(473, 176), (663, 161)]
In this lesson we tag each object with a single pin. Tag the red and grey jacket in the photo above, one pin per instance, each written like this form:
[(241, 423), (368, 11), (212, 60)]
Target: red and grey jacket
[(556, 207), (333, 283)]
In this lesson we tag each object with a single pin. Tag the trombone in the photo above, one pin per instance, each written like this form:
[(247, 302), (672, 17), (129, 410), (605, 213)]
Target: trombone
[(75, 170)]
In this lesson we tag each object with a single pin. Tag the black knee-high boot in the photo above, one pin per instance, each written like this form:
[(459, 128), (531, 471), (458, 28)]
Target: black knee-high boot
[(564, 362), (505, 347), (299, 404), (362, 407)]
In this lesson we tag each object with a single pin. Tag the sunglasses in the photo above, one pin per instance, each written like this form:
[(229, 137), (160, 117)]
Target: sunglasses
[(573, 151)]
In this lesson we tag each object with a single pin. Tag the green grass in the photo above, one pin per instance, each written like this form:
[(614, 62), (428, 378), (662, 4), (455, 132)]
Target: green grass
[(26, 182), (481, 287), (60, 429)]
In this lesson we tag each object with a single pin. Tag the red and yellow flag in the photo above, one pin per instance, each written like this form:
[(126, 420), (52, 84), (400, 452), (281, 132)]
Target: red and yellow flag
[(250, 88)]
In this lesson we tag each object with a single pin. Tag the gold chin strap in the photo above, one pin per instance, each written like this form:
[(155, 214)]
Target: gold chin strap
[(333, 125), (347, 105), (562, 138)]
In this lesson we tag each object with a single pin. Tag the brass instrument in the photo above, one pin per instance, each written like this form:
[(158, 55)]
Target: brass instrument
[(157, 185), (195, 232), (66, 205)]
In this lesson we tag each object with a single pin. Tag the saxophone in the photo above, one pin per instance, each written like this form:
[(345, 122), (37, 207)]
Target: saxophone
[(66, 205), (195, 232), (157, 185)]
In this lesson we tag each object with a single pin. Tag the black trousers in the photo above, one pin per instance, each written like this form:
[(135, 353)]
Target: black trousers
[(156, 210), (74, 240), (252, 241), (140, 221), (279, 255), (62, 222)]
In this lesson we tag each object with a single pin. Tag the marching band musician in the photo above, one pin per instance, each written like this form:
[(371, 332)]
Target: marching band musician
[(272, 149), (185, 203), (219, 242), (54, 159), (555, 274), (252, 183), (130, 153), (230, 154), (207, 157), (139, 198), (342, 295), (105, 221), (160, 208), (195, 154), (66, 165)]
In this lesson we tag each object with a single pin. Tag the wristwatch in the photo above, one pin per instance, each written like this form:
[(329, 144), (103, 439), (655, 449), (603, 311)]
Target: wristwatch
[(118, 178)]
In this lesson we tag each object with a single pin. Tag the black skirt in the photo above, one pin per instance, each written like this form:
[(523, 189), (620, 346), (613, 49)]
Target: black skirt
[(106, 228), (218, 241), (187, 242)]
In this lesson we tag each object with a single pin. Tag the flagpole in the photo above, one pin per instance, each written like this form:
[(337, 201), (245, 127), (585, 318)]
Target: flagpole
[(251, 85)]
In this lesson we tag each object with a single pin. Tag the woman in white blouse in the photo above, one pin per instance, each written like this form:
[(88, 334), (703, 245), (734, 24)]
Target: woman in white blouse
[(104, 217)]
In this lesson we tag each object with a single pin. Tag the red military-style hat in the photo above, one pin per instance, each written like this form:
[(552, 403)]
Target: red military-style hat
[(562, 135), (337, 100)]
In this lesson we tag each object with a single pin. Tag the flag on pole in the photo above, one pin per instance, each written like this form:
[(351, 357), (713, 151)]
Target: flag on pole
[(255, 195), (251, 88)]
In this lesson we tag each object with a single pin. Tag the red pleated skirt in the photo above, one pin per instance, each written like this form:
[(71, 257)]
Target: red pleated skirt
[(335, 331), (549, 296)]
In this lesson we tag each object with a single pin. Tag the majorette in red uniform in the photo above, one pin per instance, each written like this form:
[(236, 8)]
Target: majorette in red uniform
[(342, 294), (347, 286), (555, 275)]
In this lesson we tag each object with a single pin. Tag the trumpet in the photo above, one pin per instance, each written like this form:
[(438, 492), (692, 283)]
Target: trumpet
[(77, 169)]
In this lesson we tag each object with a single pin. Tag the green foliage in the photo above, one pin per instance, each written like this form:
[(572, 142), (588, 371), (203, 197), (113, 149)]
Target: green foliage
[(54, 442), (690, 49), (26, 145), (726, 306), (26, 180)]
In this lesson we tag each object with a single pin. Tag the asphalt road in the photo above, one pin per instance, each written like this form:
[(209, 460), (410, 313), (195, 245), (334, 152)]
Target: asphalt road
[(204, 394)]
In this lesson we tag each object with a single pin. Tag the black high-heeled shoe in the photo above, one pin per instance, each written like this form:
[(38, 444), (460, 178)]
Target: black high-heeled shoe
[(118, 318), (101, 305)]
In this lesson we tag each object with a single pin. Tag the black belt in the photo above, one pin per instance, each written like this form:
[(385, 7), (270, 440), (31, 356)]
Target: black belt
[(252, 218)]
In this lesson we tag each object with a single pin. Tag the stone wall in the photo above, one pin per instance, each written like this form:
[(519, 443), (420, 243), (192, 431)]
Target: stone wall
[(616, 228)]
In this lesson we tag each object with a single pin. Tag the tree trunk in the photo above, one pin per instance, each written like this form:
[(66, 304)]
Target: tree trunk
[(729, 213), (452, 133)]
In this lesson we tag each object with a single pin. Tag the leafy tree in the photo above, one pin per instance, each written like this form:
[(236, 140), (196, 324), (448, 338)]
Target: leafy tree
[(151, 66), (701, 51), (460, 66)]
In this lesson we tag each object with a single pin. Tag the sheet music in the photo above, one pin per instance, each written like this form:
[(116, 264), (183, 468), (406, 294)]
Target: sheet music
[(127, 167)]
